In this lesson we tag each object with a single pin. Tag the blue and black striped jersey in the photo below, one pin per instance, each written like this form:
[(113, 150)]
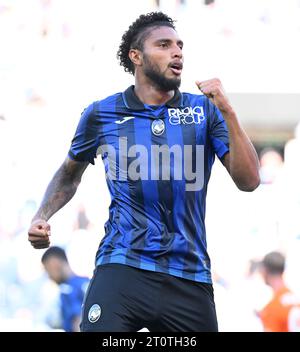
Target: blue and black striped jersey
[(158, 161)]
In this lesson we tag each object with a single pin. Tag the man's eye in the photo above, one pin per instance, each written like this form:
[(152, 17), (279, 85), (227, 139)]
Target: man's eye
[(164, 44)]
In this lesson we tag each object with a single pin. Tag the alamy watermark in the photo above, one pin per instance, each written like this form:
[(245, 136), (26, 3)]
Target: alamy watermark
[(161, 162)]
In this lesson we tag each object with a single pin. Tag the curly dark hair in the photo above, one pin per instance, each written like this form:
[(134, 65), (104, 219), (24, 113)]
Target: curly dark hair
[(134, 37)]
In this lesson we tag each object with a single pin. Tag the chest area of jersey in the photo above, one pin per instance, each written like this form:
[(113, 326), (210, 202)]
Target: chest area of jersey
[(165, 146), (170, 126)]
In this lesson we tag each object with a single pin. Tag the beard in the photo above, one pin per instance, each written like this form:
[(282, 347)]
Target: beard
[(157, 77)]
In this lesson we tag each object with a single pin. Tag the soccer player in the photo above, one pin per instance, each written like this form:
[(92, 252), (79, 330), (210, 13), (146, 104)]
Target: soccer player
[(158, 146), (72, 286)]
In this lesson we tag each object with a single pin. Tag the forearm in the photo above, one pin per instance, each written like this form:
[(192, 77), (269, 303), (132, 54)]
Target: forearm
[(243, 159), (59, 192)]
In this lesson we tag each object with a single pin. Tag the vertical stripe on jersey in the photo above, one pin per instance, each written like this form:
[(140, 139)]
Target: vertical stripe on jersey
[(136, 237), (166, 206), (151, 239), (179, 247)]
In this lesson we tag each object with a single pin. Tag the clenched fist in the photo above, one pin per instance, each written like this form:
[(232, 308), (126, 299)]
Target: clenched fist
[(38, 234), (214, 90)]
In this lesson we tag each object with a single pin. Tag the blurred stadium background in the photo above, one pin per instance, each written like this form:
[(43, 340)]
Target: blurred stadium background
[(59, 55)]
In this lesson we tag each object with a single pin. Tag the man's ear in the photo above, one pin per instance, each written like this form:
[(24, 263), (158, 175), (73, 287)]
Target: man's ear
[(135, 56)]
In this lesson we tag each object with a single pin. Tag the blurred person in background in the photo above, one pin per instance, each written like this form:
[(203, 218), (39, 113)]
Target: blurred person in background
[(72, 287), (282, 313), (271, 165), (153, 269)]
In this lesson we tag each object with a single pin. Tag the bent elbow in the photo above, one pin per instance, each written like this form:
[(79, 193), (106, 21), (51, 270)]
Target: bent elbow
[(251, 185)]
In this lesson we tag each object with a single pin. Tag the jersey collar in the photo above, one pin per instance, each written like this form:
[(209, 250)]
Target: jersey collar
[(132, 102)]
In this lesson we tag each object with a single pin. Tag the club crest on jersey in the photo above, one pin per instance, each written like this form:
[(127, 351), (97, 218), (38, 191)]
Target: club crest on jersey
[(186, 116), (94, 313), (158, 127)]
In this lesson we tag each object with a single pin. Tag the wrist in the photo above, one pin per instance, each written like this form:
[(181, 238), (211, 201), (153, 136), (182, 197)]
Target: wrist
[(39, 217)]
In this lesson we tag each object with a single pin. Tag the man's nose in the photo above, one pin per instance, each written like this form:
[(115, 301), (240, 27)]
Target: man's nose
[(177, 52)]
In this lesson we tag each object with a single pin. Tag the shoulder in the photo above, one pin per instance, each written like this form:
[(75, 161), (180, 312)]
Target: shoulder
[(93, 112), (107, 103)]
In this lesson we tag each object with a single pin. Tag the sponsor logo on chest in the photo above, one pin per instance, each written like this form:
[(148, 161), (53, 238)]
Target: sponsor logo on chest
[(186, 116)]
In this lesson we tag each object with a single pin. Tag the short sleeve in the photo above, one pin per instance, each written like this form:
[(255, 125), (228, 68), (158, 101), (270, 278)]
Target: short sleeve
[(86, 139), (218, 131)]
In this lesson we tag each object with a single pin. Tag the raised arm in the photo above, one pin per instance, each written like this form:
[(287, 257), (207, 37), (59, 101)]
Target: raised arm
[(60, 191), (241, 161)]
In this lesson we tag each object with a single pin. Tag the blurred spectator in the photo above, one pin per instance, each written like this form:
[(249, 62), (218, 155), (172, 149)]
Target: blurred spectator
[(282, 313), (72, 287), (271, 163), (82, 220)]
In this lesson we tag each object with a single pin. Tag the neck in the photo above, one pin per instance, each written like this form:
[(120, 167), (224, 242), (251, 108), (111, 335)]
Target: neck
[(149, 94), (276, 283)]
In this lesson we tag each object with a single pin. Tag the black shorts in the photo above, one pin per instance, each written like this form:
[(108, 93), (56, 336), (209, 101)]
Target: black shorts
[(121, 298)]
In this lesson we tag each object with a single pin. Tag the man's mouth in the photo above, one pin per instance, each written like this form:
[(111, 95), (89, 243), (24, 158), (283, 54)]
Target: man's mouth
[(176, 68)]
